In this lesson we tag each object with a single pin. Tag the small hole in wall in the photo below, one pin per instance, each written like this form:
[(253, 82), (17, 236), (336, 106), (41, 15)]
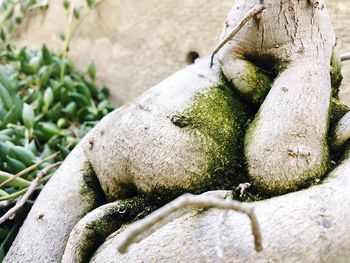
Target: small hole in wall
[(191, 57)]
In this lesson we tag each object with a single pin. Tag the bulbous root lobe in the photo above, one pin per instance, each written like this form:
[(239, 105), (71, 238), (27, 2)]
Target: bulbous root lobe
[(249, 79), (341, 133), (257, 9), (93, 228), (285, 144)]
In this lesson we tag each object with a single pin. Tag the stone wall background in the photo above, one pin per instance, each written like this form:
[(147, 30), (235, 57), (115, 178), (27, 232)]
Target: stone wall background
[(137, 43)]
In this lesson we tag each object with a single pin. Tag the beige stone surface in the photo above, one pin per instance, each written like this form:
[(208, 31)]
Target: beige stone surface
[(137, 43), (339, 10)]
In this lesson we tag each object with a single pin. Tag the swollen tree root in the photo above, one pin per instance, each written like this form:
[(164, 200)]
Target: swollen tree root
[(92, 229), (251, 13)]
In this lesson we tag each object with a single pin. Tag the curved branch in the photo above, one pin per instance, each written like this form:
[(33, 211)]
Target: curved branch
[(30, 190), (145, 227), (251, 13)]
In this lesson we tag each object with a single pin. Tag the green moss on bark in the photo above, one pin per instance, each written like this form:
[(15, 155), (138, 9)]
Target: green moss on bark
[(338, 110), (218, 120), (91, 190), (261, 70), (114, 215), (336, 75), (258, 83), (268, 63)]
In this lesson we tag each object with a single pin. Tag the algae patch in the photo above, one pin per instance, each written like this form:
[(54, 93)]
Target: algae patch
[(261, 71), (338, 110), (91, 189), (110, 218), (258, 83), (336, 75), (218, 120)]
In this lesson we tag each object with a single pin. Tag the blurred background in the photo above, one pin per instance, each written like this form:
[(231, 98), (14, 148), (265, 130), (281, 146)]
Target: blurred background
[(136, 44)]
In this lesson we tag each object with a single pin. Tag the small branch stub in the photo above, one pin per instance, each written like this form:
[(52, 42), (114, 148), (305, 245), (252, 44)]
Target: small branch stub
[(145, 227), (345, 56), (314, 3)]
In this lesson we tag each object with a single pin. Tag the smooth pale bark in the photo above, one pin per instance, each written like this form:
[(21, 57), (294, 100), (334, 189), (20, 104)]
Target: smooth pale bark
[(306, 226)]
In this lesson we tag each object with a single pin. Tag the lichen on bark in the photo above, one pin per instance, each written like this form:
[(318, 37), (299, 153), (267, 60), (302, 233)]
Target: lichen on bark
[(336, 74)]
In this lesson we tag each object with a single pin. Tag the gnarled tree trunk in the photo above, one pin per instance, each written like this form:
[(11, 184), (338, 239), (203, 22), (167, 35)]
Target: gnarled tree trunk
[(186, 135)]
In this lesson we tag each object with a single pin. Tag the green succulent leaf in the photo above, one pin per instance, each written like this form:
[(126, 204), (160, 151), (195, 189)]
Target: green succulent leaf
[(49, 128), (90, 3), (66, 4), (22, 154), (76, 13), (28, 116), (47, 57), (14, 165), (34, 64), (48, 97), (5, 97), (15, 113), (92, 71)]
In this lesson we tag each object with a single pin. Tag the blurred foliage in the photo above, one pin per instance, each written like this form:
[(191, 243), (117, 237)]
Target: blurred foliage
[(41, 114), (12, 13), (75, 16), (46, 107)]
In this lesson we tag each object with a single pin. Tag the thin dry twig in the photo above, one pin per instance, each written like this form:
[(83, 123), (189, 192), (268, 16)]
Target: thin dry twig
[(345, 56), (251, 13), (34, 166), (145, 227), (12, 212), (30, 168)]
